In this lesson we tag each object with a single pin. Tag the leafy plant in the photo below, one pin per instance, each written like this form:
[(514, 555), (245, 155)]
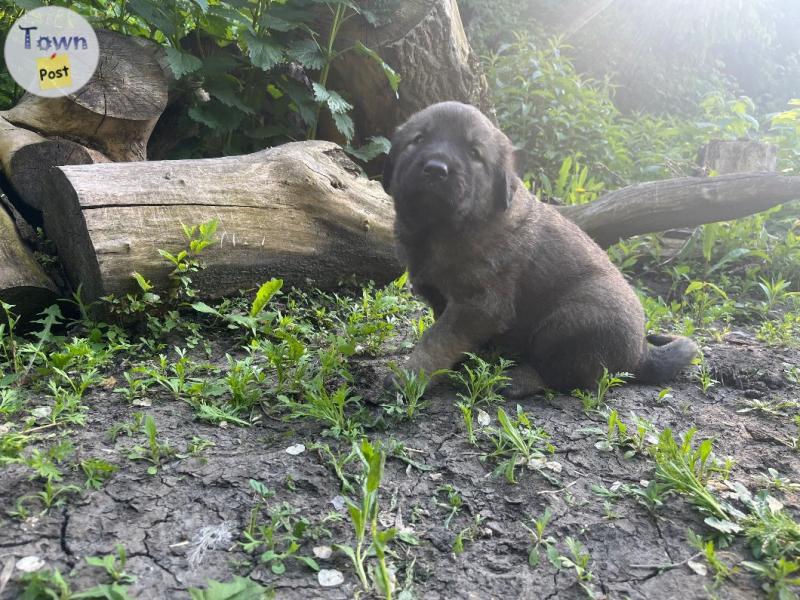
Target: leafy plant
[(538, 538), (517, 442), (114, 565), (155, 452), (370, 539), (328, 407), (686, 470), (606, 382), (410, 386)]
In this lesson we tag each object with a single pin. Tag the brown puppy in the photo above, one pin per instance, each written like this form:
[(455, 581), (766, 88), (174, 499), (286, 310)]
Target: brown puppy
[(499, 266)]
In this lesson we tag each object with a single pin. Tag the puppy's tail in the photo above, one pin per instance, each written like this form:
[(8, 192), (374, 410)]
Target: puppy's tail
[(665, 356)]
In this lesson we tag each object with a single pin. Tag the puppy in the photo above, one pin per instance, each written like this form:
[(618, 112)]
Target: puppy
[(500, 267)]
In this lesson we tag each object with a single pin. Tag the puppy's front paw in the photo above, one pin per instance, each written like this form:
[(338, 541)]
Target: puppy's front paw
[(525, 381)]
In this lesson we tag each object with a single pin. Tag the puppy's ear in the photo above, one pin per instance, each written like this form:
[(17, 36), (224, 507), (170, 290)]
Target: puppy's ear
[(388, 167), (503, 187)]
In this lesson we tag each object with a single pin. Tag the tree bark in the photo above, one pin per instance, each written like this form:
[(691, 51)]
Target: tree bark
[(425, 43), (301, 212), (115, 112), (682, 202), (23, 283)]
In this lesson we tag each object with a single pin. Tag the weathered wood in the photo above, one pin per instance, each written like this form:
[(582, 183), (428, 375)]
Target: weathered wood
[(26, 159), (115, 112), (424, 41), (300, 211), (723, 157), (682, 202), (23, 283)]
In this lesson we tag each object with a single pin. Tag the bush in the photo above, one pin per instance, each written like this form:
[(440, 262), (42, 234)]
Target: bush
[(253, 72)]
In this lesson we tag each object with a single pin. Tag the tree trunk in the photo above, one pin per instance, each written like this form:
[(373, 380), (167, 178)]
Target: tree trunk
[(115, 112), (300, 211), (425, 43), (23, 283), (682, 202)]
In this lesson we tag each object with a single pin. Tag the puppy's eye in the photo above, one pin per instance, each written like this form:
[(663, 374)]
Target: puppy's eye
[(418, 138), (475, 153)]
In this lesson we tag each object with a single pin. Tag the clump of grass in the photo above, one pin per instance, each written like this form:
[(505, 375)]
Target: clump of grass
[(687, 470), (517, 442), (594, 400), (328, 407), (155, 452), (370, 539), (409, 387), (482, 382)]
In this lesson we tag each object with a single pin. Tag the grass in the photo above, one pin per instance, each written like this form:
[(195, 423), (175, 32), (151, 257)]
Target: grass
[(606, 382), (295, 356), (516, 442)]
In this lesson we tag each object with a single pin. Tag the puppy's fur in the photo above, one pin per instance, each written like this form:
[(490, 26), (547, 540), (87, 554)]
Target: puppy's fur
[(499, 266)]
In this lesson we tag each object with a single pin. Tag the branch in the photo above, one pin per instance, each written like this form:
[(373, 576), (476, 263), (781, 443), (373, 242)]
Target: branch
[(683, 202)]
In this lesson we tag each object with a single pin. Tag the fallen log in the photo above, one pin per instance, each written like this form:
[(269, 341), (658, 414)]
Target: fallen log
[(115, 112), (26, 159), (23, 282), (681, 202), (301, 211)]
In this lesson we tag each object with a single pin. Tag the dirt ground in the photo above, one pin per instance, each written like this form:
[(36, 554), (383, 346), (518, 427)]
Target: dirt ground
[(158, 518)]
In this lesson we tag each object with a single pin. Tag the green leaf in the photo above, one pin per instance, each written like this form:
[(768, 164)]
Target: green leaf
[(227, 89), (113, 591), (202, 307), (217, 116), (344, 124), (241, 588), (724, 526), (278, 567), (392, 76), (264, 53), (351, 554), (309, 562), (302, 100), (307, 53), (154, 14), (264, 295), (376, 146), (182, 63), (145, 285), (334, 101)]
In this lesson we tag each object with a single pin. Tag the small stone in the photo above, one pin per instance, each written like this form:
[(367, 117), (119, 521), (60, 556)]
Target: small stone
[(296, 449), (483, 418), (338, 502), (698, 568), (330, 577), (29, 564), (553, 466), (322, 552)]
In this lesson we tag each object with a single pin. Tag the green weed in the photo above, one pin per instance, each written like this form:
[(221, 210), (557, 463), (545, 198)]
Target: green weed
[(370, 539)]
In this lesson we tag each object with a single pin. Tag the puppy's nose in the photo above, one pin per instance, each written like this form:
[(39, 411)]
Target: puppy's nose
[(435, 169)]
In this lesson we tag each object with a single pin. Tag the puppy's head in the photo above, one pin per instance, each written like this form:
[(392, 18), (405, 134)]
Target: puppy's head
[(449, 164)]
